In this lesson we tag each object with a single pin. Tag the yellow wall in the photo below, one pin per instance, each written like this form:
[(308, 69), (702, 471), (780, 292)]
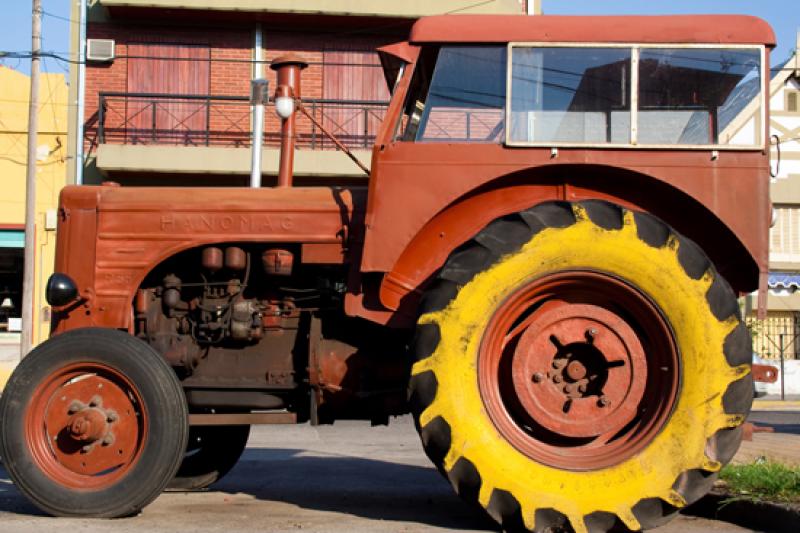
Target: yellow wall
[(51, 169)]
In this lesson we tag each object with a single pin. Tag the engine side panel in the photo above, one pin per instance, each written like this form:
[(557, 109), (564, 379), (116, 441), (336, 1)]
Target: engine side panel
[(135, 229)]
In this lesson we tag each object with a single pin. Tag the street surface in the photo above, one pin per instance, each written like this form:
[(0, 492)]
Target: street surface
[(347, 478)]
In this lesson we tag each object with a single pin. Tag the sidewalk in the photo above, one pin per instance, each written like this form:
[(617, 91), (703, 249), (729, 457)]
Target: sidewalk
[(9, 356), (776, 405), (784, 444)]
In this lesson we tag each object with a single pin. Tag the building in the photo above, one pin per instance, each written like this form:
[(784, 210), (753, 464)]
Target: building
[(51, 174), (780, 332), (165, 99)]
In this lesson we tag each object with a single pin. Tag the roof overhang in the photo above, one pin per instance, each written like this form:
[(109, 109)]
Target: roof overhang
[(410, 9), (667, 29)]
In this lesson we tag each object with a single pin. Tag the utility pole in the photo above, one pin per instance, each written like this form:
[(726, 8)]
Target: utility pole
[(30, 184)]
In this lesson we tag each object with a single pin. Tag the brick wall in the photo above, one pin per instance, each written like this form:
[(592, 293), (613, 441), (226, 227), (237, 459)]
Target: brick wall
[(226, 77), (230, 71)]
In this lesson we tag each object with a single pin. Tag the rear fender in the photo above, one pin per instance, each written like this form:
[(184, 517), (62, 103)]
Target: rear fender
[(463, 218)]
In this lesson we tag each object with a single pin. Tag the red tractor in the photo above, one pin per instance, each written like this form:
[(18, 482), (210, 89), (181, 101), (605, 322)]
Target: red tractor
[(543, 269)]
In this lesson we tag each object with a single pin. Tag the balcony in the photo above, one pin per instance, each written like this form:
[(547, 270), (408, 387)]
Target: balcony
[(194, 134)]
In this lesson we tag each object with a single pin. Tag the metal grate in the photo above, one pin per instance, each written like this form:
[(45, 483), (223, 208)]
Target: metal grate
[(775, 335)]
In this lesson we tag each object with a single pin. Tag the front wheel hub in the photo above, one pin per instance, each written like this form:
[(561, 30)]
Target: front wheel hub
[(595, 367), (86, 426)]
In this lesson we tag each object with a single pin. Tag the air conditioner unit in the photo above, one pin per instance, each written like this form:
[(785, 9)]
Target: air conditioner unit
[(100, 50)]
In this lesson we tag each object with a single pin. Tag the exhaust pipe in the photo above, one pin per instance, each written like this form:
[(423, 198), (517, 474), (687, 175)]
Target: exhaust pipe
[(288, 69)]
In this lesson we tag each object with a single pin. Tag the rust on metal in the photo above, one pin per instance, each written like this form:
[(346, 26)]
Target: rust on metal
[(277, 262), (337, 375)]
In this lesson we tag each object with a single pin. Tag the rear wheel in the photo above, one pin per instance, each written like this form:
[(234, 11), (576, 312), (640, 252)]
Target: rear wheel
[(211, 453), (94, 423), (580, 365)]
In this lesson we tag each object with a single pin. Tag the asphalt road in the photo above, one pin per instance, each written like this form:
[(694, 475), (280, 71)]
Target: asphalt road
[(347, 478)]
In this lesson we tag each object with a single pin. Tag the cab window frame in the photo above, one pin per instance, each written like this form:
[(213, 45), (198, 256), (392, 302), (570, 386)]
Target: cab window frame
[(636, 49)]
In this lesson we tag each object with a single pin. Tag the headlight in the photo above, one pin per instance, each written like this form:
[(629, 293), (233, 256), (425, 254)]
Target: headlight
[(284, 106), (61, 290)]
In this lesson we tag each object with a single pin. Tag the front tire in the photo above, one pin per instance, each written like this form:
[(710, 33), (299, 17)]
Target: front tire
[(211, 453), (94, 424), (580, 365)]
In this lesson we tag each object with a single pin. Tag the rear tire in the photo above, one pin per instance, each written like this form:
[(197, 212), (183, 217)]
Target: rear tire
[(211, 453), (580, 365), (94, 424)]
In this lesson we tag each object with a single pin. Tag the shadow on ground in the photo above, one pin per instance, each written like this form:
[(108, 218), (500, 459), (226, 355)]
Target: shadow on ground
[(780, 421), (368, 488)]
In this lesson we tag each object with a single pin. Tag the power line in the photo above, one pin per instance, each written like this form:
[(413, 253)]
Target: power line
[(59, 17), (57, 57)]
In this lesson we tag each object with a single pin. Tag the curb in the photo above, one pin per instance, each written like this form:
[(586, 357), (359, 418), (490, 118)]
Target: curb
[(759, 515), (772, 405)]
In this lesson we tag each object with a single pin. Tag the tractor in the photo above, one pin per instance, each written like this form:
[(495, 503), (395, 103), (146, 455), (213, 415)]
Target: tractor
[(542, 267)]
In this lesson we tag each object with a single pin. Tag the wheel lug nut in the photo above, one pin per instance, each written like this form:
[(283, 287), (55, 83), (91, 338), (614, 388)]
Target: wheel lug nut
[(95, 401), (570, 388), (537, 377), (74, 407), (603, 402), (87, 448), (108, 440), (111, 417), (581, 388), (557, 378)]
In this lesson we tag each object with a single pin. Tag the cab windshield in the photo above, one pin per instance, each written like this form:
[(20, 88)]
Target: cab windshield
[(574, 95)]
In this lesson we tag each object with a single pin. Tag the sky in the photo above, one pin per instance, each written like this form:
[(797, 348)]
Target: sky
[(783, 15), (15, 25)]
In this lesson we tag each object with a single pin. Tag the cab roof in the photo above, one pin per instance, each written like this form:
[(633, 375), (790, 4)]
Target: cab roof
[(666, 29)]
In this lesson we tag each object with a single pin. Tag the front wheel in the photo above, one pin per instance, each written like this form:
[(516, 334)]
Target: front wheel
[(94, 424), (211, 453), (583, 366)]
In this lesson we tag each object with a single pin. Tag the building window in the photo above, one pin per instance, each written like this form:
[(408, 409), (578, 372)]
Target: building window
[(792, 101), (355, 95), (11, 263), (176, 70), (784, 236)]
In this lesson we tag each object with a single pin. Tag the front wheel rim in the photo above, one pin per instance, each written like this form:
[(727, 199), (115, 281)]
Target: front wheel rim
[(578, 370), (86, 426)]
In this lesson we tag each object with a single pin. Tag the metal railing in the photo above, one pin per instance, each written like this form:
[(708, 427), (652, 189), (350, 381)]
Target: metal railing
[(207, 120)]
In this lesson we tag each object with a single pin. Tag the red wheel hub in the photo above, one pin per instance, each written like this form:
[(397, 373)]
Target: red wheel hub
[(594, 370), (86, 426), (578, 370)]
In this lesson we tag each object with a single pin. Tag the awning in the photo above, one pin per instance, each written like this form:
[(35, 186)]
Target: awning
[(784, 280), (12, 239)]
